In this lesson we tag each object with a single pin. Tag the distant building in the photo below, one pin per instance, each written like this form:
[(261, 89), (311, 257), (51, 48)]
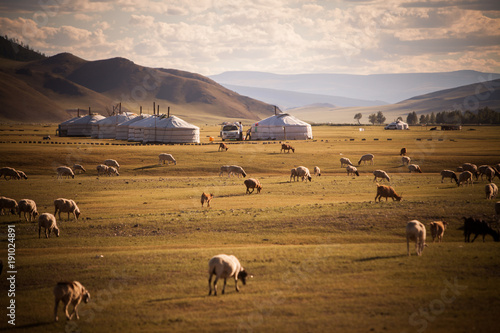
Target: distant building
[(397, 125)]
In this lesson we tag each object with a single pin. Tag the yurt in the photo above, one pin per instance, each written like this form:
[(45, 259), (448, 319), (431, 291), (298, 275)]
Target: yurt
[(106, 128), (171, 130), (397, 125), (83, 125), (62, 129), (281, 126), (123, 130), (136, 130)]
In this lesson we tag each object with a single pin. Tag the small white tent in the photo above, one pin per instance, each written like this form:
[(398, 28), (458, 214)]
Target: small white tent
[(106, 128), (122, 130), (171, 130), (397, 125), (281, 127), (83, 125), (136, 129), (63, 127)]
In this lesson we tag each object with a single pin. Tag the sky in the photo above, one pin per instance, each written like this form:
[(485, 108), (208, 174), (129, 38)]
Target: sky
[(278, 36)]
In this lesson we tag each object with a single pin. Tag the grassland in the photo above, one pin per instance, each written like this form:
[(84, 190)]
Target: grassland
[(325, 257)]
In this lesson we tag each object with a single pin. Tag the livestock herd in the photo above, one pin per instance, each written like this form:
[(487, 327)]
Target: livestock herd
[(224, 266)]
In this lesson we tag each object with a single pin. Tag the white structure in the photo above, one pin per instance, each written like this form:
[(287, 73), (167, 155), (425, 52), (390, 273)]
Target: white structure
[(106, 128), (83, 125), (165, 130), (123, 130), (281, 127), (63, 127), (397, 125)]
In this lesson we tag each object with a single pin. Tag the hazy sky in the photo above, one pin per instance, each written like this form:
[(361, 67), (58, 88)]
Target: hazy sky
[(279, 36)]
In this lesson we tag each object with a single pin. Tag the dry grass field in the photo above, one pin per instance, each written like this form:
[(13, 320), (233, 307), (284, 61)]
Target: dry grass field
[(324, 255)]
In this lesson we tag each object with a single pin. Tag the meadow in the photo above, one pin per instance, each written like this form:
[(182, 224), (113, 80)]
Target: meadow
[(324, 255)]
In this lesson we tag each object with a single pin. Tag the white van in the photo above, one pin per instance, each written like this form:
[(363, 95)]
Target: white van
[(230, 132)]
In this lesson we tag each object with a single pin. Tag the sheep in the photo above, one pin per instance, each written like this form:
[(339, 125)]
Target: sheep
[(107, 170), (345, 161), (224, 168), (223, 147), (449, 174), (381, 174), (22, 174), (460, 169), (27, 206), (437, 230), (491, 173), (252, 183), (224, 266), (491, 191), (414, 168), (112, 163), (415, 231), (294, 174), (317, 171), (48, 222), (64, 171), (206, 197), (402, 152), (387, 192), (482, 170), (303, 172), (478, 227), (405, 160), (79, 168), (286, 147), (70, 292), (66, 206), (166, 157), (352, 169), (235, 169), (366, 158), (112, 171), (465, 177), (472, 168), (9, 172), (9, 204)]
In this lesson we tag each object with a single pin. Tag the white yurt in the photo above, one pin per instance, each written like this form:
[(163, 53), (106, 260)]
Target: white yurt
[(397, 125), (106, 128), (123, 130), (171, 130), (83, 125), (63, 127), (281, 126), (136, 129)]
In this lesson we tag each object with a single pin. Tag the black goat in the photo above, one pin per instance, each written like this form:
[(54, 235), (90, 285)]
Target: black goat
[(478, 227)]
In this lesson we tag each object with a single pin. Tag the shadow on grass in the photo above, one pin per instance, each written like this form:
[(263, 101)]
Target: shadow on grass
[(230, 195), (35, 325), (380, 257), (154, 166), (168, 299)]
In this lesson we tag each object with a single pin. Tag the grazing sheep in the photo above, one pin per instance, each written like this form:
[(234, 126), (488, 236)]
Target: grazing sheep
[(22, 174), (235, 169), (478, 227), (366, 158), (482, 170), (70, 292), (64, 171), (9, 172), (224, 266), (79, 168), (223, 147), (224, 168), (286, 147), (27, 206), (66, 206), (206, 197), (460, 169), (112, 163), (112, 171), (491, 191), (48, 222), (303, 172), (472, 168), (405, 160), (345, 161), (415, 232), (437, 230), (352, 169), (387, 192), (102, 169), (9, 204), (402, 152), (166, 157), (414, 168), (449, 174), (465, 177), (381, 174), (294, 174), (491, 173), (317, 171), (252, 183)]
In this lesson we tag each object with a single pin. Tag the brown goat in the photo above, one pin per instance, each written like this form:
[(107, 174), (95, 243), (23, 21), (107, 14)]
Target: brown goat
[(206, 197), (286, 147), (402, 152), (222, 146), (387, 192), (437, 230)]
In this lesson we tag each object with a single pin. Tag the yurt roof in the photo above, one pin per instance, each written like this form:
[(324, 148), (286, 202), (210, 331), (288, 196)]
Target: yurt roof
[(69, 121), (117, 119), (88, 119), (283, 119), (134, 120), (175, 122)]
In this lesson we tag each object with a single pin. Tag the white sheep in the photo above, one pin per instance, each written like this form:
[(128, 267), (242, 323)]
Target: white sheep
[(112, 171), (414, 168), (345, 161), (66, 206), (317, 171), (166, 157), (366, 158), (224, 168), (224, 266), (79, 168), (102, 169), (27, 206), (304, 173), (491, 173), (235, 169), (465, 177), (22, 174), (491, 191), (112, 163), (293, 174), (449, 174), (415, 232), (352, 170), (47, 221), (70, 292), (9, 172), (405, 160), (64, 171), (472, 168), (381, 174), (9, 204)]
